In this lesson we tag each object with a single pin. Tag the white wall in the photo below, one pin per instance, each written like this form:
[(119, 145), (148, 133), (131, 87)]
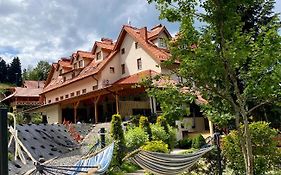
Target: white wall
[(132, 54), (86, 83)]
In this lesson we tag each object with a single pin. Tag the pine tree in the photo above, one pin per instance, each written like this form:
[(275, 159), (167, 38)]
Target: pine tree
[(14, 72), (3, 71)]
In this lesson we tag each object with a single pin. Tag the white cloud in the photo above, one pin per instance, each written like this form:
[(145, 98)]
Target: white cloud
[(40, 29)]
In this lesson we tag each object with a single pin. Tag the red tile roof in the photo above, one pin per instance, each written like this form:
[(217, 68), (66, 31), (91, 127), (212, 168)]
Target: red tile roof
[(24, 92), (156, 53), (85, 54), (33, 84), (135, 78), (92, 68)]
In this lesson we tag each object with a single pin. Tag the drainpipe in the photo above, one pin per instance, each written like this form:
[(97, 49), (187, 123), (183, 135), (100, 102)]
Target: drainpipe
[(93, 76)]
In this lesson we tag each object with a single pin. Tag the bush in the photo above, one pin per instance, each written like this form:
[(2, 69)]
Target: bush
[(162, 122), (172, 137), (198, 141), (118, 136), (144, 124), (156, 146), (135, 138), (265, 151), (158, 133), (185, 143)]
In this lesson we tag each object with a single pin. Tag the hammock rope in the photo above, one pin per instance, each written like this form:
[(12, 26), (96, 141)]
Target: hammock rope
[(167, 164)]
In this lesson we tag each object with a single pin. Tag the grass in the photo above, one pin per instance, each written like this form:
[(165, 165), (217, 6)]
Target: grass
[(5, 85)]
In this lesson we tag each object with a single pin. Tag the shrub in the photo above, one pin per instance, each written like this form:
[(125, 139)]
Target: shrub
[(144, 124), (198, 141), (158, 133), (118, 136), (156, 146), (162, 122), (172, 137), (185, 143), (265, 151), (135, 138)]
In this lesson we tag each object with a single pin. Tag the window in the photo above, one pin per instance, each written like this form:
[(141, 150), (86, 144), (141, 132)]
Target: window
[(111, 70), (95, 87), (64, 79), (162, 42), (123, 68), (73, 75), (139, 64), (84, 91), (61, 97), (77, 92), (81, 63), (57, 99), (75, 66), (66, 96), (99, 55), (122, 50), (60, 71), (136, 45), (49, 101), (72, 94)]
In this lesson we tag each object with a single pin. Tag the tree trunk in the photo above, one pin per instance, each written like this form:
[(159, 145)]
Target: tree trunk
[(241, 141), (250, 158)]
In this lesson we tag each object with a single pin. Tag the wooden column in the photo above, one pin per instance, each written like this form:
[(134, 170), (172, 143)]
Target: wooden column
[(75, 106), (117, 103), (211, 127), (96, 109)]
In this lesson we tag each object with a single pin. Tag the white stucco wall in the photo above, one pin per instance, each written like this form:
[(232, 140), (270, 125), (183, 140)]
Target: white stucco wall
[(111, 77), (129, 58), (86, 83)]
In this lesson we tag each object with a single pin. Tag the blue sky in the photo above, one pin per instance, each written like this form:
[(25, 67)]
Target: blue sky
[(49, 29)]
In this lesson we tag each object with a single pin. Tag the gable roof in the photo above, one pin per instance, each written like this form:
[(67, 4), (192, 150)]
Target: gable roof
[(158, 54), (105, 44), (91, 69), (156, 31)]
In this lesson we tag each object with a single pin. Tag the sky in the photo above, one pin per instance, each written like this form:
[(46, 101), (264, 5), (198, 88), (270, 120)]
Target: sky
[(47, 30)]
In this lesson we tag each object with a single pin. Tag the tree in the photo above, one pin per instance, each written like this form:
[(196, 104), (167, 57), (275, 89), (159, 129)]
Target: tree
[(14, 72), (3, 71), (40, 72), (233, 60)]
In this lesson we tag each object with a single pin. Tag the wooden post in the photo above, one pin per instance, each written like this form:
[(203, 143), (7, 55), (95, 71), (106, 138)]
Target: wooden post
[(96, 109), (4, 142), (117, 103), (75, 106)]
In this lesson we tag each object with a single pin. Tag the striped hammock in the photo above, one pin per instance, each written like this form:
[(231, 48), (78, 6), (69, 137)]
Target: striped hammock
[(167, 164)]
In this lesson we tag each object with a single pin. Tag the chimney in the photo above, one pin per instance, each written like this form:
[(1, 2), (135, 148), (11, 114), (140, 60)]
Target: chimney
[(143, 33), (107, 40)]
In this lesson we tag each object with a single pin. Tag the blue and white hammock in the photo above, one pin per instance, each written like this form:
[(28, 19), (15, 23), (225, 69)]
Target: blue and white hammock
[(96, 164)]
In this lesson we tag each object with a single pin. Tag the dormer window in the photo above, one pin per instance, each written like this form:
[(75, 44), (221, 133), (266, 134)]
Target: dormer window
[(123, 51), (73, 75), (99, 55), (75, 66), (162, 43), (81, 63), (60, 71)]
